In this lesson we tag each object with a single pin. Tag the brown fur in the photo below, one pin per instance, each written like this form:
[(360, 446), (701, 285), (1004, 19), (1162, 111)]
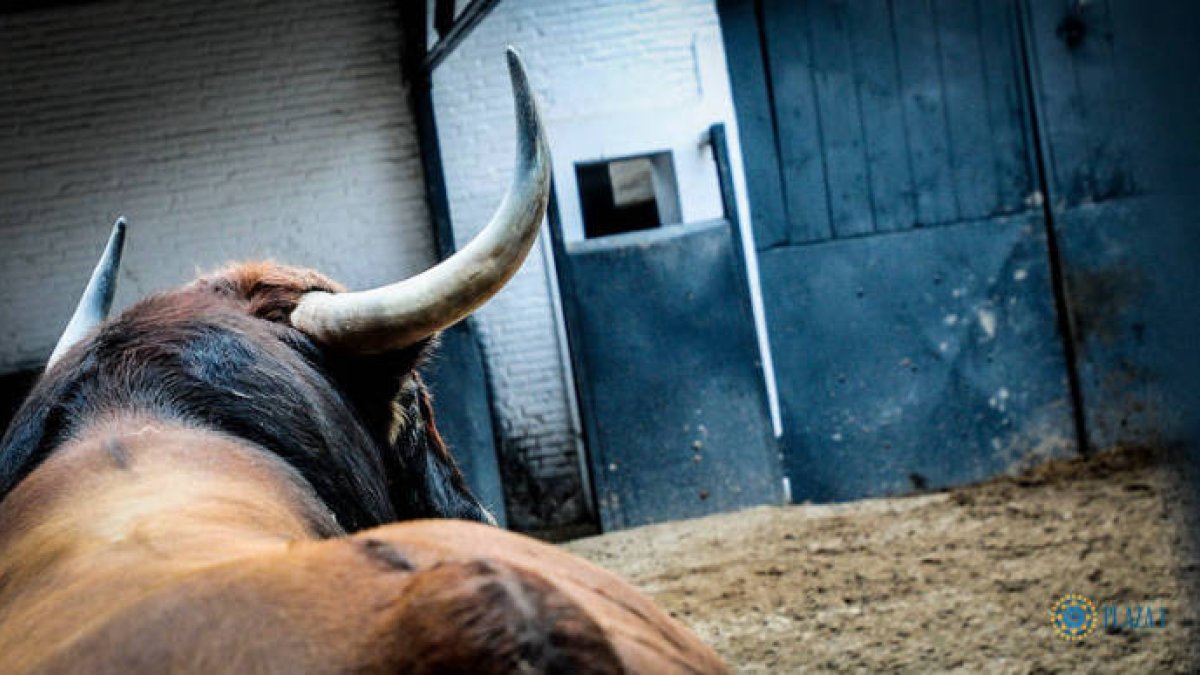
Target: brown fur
[(139, 537), (201, 554)]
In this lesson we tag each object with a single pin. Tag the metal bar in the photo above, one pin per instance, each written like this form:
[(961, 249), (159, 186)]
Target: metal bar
[(470, 17), (718, 136), (1066, 325), (413, 15), (720, 150), (597, 504)]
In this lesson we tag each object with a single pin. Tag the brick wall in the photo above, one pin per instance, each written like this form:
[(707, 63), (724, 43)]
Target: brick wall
[(615, 77), (222, 130)]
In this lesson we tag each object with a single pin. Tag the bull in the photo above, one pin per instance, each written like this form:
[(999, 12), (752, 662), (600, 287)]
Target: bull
[(244, 475)]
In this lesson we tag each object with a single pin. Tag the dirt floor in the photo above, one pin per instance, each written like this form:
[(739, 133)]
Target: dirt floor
[(961, 580)]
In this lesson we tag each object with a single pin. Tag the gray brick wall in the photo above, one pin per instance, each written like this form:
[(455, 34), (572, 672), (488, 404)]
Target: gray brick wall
[(615, 77), (224, 130)]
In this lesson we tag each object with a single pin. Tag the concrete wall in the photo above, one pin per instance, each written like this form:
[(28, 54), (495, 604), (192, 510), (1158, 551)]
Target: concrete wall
[(615, 78), (222, 130)]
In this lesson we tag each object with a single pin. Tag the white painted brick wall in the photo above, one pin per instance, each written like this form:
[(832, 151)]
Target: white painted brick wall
[(224, 130), (615, 77)]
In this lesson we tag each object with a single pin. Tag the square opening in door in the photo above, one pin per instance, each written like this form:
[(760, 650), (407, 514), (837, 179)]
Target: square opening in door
[(627, 195)]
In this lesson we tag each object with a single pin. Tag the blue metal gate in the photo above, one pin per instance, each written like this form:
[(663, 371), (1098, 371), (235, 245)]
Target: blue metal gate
[(666, 366)]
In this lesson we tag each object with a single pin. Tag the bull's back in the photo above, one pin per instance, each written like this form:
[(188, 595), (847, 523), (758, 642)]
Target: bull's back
[(183, 550), (423, 597)]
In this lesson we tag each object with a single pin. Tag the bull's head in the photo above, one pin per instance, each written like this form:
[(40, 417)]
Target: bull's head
[(290, 361)]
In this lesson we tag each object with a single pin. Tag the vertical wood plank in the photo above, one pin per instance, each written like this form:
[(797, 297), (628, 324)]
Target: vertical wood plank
[(1057, 90), (756, 126), (1105, 169), (785, 23), (999, 46), (1084, 109), (924, 111), (877, 74), (968, 127), (840, 118)]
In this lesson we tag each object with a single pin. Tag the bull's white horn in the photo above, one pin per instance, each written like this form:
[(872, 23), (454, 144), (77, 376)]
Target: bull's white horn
[(97, 297), (400, 314)]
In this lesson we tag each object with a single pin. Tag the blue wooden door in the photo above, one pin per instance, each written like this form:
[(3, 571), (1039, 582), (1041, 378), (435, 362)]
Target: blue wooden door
[(903, 242), (1113, 84)]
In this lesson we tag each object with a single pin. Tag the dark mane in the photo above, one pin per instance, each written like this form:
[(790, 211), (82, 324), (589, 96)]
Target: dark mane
[(216, 355)]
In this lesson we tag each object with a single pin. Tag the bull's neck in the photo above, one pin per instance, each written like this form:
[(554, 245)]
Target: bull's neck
[(149, 498)]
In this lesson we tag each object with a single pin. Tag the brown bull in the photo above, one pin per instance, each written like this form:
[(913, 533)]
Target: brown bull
[(205, 484)]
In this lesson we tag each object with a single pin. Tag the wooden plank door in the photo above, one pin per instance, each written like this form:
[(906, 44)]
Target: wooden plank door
[(902, 241)]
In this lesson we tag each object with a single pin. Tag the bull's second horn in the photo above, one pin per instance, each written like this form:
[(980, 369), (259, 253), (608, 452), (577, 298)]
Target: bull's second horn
[(97, 298), (400, 314)]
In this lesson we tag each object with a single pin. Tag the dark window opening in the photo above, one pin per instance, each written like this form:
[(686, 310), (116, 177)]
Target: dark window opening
[(627, 195)]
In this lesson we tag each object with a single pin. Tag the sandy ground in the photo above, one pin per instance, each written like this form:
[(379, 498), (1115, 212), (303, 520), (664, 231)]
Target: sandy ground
[(961, 580)]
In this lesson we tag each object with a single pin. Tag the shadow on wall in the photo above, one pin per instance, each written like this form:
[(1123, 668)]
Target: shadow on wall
[(557, 505)]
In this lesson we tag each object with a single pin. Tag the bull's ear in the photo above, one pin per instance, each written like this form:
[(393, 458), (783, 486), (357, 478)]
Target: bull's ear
[(97, 297)]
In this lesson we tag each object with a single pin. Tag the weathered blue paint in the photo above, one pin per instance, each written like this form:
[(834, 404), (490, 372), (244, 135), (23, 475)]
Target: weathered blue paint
[(1119, 136), (890, 116), (916, 360), (666, 367), (1087, 105), (910, 307), (741, 24), (457, 380), (1123, 287)]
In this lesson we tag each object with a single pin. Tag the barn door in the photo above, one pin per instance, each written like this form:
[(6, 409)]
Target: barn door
[(667, 370), (902, 240), (1101, 73)]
